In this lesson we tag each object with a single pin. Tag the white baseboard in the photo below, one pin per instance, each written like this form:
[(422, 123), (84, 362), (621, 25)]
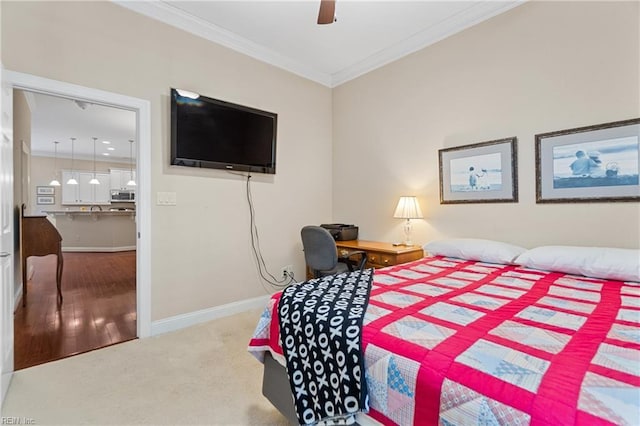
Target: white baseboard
[(98, 249), (186, 320)]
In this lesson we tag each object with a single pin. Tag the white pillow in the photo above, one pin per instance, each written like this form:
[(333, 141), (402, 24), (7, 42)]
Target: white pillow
[(598, 262), (475, 249)]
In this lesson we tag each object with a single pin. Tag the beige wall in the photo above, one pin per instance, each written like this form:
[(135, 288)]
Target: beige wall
[(540, 67), (22, 140), (201, 253), (537, 68), (22, 143)]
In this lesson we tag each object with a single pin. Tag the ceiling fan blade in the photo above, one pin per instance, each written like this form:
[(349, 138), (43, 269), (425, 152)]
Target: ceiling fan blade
[(327, 12)]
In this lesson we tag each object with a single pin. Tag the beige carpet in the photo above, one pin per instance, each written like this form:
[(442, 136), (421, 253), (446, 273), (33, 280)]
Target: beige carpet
[(202, 375)]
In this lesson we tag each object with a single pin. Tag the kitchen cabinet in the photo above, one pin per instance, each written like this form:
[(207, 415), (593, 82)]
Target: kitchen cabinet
[(84, 192), (69, 192), (102, 192), (120, 178)]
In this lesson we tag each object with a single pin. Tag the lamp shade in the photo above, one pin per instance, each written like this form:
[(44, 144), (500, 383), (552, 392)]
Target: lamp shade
[(408, 208)]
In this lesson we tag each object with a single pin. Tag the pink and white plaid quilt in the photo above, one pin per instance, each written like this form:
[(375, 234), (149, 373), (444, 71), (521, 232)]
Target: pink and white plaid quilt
[(456, 342)]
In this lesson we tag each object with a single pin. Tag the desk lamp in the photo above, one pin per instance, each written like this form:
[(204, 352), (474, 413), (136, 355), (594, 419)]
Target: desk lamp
[(408, 208)]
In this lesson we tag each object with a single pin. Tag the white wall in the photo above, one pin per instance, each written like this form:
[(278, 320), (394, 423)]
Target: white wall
[(201, 254), (540, 67)]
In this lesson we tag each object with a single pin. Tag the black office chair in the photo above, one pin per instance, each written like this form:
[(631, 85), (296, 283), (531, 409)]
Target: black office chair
[(321, 254)]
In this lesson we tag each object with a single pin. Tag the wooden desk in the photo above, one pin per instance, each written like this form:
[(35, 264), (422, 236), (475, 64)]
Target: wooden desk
[(381, 254), (38, 237)]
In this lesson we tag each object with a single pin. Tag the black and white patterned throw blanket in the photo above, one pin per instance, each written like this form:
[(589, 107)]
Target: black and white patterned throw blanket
[(320, 329)]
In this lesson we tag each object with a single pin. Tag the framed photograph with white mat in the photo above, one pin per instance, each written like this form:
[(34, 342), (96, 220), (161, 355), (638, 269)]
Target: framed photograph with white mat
[(598, 163), (484, 172), (45, 190), (45, 199)]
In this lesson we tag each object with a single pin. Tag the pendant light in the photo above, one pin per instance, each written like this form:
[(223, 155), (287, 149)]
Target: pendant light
[(132, 181), (54, 181), (94, 181), (72, 180)]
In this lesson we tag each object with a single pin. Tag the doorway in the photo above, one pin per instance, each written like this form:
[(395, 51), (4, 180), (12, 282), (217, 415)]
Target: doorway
[(78, 166), (15, 80)]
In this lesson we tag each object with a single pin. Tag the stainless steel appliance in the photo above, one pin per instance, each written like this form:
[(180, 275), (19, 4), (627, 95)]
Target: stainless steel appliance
[(122, 195)]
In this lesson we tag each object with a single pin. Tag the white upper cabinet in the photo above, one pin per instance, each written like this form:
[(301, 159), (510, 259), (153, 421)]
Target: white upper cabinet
[(120, 178), (102, 192), (84, 192), (69, 192)]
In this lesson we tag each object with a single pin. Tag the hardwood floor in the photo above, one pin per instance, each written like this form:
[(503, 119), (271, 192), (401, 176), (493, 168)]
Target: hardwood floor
[(99, 307)]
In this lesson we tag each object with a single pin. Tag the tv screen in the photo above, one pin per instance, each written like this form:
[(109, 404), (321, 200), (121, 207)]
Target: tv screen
[(211, 133)]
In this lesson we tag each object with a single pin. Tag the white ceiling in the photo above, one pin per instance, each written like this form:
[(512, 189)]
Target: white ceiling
[(59, 119), (367, 35)]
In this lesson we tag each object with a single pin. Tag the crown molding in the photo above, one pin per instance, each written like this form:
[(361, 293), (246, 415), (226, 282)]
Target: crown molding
[(175, 17), (469, 17)]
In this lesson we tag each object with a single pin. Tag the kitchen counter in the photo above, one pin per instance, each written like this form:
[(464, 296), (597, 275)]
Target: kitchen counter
[(96, 213), (85, 230)]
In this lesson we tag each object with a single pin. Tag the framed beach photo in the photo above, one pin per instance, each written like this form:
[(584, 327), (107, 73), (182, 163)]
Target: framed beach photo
[(45, 190), (598, 163), (45, 199), (484, 172)]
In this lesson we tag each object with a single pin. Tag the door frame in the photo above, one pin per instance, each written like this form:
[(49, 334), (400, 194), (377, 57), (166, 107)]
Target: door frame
[(142, 108), (7, 245)]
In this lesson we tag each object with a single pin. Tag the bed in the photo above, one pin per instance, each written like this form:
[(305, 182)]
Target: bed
[(459, 340)]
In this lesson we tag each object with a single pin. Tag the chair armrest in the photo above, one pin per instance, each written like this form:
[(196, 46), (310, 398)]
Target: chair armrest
[(360, 252), (347, 259)]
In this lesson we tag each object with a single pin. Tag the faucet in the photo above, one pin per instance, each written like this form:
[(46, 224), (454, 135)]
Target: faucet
[(95, 205)]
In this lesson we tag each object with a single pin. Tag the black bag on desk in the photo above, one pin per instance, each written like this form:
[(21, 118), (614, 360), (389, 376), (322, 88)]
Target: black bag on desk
[(341, 231)]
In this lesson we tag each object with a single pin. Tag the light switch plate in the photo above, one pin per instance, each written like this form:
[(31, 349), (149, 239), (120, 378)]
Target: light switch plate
[(166, 199)]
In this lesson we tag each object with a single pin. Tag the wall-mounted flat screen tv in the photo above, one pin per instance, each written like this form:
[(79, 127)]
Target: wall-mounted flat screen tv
[(211, 133)]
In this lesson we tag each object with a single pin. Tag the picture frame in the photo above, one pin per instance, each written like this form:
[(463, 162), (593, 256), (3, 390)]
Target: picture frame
[(45, 190), (485, 172), (598, 163), (45, 199)]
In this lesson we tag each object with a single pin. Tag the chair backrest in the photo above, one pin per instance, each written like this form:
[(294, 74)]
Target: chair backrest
[(319, 247)]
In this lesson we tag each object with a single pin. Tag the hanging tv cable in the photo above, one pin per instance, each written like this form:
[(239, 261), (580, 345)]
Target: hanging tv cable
[(255, 246)]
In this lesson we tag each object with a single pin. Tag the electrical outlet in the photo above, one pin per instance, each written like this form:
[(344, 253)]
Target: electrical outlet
[(286, 272)]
